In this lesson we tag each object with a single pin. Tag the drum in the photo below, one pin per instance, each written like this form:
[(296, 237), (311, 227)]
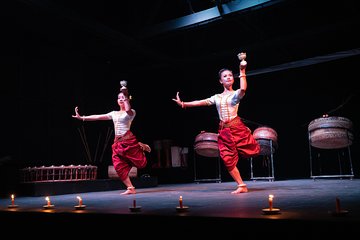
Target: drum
[(267, 139), (331, 132), (206, 144)]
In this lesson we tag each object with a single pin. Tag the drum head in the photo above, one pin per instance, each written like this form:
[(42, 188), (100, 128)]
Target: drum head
[(330, 132), (265, 133), (267, 139), (206, 144)]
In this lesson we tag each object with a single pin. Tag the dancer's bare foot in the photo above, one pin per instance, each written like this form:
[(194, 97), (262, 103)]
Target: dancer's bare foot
[(240, 189), (129, 190), (145, 147)]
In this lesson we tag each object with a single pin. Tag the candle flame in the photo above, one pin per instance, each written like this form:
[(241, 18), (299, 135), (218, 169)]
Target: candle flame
[(271, 196), (78, 197), (48, 201), (12, 196)]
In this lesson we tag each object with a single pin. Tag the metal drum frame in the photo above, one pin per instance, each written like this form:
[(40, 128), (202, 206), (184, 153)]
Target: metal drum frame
[(343, 149), (209, 157), (217, 177), (271, 176), (267, 139)]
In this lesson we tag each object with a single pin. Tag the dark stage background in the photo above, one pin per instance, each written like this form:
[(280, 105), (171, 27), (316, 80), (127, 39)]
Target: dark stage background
[(52, 61)]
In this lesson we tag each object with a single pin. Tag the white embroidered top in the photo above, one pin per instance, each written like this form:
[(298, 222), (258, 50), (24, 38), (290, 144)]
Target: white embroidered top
[(227, 104), (122, 121)]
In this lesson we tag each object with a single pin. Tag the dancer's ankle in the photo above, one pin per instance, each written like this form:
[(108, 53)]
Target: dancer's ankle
[(129, 190), (241, 188)]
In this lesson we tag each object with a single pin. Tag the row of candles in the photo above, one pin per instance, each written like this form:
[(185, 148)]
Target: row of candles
[(181, 205), (48, 203), (81, 206)]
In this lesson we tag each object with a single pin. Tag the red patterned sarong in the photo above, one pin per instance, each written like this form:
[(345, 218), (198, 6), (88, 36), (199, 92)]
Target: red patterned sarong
[(235, 139), (127, 153)]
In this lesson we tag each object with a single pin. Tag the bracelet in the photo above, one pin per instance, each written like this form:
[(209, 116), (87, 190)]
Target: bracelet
[(83, 118), (242, 76), (182, 105)]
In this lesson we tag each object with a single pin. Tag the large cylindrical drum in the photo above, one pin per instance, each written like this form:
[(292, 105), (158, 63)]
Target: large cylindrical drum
[(267, 139), (206, 144), (331, 132)]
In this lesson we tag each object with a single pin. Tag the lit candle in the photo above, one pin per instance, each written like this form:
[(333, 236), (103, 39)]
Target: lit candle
[(134, 203), (338, 205), (180, 202), (271, 202), (80, 200), (48, 201), (12, 199)]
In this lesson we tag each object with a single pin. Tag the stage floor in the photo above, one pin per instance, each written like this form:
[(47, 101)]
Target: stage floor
[(211, 207)]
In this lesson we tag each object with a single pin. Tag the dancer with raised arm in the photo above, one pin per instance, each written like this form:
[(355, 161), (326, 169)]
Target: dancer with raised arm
[(235, 138), (127, 151)]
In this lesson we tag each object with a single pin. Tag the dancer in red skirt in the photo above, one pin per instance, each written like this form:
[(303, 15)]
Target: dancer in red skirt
[(235, 138), (127, 152)]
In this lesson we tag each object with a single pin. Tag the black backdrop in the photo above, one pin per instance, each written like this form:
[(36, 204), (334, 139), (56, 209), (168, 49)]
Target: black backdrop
[(43, 81)]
